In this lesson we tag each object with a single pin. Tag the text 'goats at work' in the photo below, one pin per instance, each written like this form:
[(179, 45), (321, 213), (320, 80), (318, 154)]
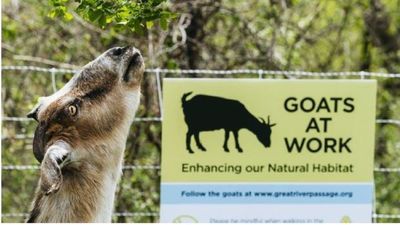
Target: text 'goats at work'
[(319, 125)]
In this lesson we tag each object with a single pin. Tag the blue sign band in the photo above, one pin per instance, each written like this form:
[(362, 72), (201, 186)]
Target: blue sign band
[(266, 193)]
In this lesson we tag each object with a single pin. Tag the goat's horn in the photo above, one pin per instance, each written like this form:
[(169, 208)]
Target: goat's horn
[(268, 120), (262, 120)]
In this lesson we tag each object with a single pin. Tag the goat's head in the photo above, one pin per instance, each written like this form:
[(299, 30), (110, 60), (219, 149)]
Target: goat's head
[(264, 133), (99, 100)]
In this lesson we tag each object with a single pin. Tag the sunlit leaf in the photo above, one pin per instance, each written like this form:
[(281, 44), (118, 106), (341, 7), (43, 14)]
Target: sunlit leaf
[(149, 24), (68, 16)]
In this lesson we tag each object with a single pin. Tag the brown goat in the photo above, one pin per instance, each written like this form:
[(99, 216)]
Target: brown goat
[(81, 136)]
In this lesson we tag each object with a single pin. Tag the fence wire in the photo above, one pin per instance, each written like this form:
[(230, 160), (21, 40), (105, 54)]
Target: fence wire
[(37, 167), (123, 214), (159, 73), (259, 73)]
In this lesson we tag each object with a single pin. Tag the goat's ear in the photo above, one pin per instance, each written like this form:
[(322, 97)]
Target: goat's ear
[(271, 125), (34, 112)]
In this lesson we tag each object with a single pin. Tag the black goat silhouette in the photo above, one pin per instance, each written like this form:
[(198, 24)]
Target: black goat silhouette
[(207, 113)]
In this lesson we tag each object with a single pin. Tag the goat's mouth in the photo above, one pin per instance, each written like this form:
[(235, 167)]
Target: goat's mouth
[(135, 62)]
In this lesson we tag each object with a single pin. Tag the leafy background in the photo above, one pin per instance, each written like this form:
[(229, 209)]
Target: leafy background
[(209, 34)]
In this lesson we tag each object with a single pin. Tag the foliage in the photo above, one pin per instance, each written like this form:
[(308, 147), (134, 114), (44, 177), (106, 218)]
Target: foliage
[(208, 34), (135, 15)]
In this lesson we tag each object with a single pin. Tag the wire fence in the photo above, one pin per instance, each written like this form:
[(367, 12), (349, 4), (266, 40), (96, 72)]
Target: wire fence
[(159, 73)]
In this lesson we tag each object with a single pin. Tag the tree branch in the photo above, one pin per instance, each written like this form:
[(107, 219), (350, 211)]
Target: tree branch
[(45, 61)]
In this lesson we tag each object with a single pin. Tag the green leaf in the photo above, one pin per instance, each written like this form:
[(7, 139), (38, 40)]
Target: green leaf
[(149, 24), (68, 16), (109, 20), (103, 21), (52, 13), (139, 28), (163, 23), (94, 15), (118, 14), (122, 23)]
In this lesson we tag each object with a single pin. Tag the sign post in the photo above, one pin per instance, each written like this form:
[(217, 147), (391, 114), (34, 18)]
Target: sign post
[(247, 150)]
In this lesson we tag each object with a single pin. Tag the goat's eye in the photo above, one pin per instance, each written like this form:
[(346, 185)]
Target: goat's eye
[(72, 110), (117, 52)]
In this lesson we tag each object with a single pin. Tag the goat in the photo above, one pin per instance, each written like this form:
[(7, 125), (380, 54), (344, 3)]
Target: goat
[(208, 113), (81, 136)]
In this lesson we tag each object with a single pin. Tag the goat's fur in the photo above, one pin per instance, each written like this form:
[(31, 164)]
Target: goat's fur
[(80, 138)]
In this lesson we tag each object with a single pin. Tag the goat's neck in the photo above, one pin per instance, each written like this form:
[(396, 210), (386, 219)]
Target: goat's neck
[(109, 174), (252, 124), (88, 189)]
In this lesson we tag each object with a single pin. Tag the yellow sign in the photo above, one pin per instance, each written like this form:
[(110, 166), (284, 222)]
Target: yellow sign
[(248, 130), (263, 147)]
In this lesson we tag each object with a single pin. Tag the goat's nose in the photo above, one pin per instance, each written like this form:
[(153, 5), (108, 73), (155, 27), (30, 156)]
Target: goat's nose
[(136, 55), (136, 51), (137, 58)]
